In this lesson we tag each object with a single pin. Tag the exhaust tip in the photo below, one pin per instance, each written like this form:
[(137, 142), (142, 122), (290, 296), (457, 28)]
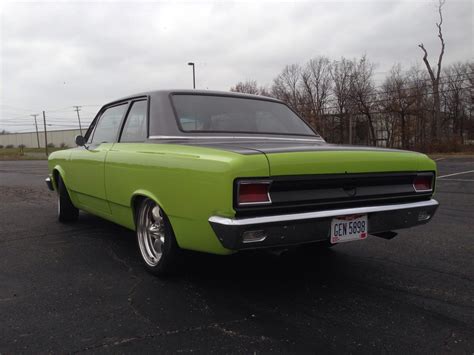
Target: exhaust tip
[(253, 236), (424, 216)]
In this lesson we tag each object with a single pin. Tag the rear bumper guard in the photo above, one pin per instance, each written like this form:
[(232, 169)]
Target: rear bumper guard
[(299, 228)]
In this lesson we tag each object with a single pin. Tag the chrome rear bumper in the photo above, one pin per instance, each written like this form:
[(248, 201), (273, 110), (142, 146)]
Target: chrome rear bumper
[(298, 228)]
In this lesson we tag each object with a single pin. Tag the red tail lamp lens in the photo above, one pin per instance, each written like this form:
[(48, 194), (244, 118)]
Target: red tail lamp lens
[(253, 193), (423, 183)]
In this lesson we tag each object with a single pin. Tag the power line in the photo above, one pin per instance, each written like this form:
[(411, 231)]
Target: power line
[(67, 108), (456, 76), (388, 99), (16, 108), (15, 117), (349, 99), (375, 93), (27, 118), (23, 130)]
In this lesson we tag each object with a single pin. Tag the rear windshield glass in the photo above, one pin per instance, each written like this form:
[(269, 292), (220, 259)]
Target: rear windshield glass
[(205, 113)]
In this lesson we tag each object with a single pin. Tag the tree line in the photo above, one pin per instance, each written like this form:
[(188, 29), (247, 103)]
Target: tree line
[(340, 99), (426, 109)]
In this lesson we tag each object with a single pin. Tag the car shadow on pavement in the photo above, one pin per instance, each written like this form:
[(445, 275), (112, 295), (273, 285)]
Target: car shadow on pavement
[(278, 264), (331, 298)]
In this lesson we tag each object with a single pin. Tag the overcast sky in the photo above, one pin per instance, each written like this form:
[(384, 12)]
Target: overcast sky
[(58, 54)]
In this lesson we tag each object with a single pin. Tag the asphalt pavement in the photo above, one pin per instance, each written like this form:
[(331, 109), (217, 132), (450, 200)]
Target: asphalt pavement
[(81, 287)]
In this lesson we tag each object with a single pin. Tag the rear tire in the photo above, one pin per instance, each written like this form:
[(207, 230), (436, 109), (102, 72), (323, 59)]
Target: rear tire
[(67, 212), (156, 240)]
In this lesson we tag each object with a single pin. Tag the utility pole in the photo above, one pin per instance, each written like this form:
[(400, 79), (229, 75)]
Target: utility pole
[(37, 134), (77, 109), (45, 135)]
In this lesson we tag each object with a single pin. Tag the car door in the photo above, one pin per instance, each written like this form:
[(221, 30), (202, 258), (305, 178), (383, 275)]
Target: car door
[(125, 158), (86, 178)]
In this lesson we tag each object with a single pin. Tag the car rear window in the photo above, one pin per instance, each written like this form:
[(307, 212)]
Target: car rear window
[(208, 113)]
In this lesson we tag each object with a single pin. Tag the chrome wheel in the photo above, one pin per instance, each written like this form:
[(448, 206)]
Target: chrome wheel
[(151, 232)]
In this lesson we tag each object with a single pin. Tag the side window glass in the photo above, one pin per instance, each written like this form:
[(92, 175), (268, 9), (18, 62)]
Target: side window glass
[(90, 131), (135, 128), (108, 126)]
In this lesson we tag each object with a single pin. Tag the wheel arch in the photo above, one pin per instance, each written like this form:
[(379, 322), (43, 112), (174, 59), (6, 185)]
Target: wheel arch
[(139, 196), (58, 172)]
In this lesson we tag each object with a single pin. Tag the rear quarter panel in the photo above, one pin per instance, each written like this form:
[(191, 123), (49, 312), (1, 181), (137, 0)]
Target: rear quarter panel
[(190, 184)]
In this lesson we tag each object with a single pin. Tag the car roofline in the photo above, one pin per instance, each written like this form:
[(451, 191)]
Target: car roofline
[(193, 92)]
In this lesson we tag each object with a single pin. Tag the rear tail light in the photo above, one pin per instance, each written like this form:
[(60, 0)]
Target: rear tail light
[(423, 183), (253, 193)]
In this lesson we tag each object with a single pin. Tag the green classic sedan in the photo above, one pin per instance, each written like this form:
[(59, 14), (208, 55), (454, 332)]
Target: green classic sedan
[(221, 172)]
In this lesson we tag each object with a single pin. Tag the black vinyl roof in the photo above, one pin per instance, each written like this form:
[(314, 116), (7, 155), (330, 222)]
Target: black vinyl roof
[(162, 119), (154, 93)]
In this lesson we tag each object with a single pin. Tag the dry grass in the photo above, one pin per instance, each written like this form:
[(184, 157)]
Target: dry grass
[(25, 153)]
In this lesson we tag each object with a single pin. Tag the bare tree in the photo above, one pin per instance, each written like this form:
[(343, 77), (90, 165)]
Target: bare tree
[(246, 87), (316, 85), (471, 96), (456, 97), (286, 86), (341, 76), (435, 74), (420, 90), (340, 99), (398, 98), (265, 91), (363, 93)]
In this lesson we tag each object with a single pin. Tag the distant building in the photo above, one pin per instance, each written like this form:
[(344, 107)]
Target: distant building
[(29, 139)]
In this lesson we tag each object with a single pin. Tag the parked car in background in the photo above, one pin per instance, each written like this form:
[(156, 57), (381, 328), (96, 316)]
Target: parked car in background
[(221, 172)]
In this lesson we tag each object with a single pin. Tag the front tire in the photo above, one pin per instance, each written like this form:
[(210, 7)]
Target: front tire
[(67, 212), (156, 241)]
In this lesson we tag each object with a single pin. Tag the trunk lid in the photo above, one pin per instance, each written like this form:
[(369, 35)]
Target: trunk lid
[(309, 156), (341, 160), (306, 158)]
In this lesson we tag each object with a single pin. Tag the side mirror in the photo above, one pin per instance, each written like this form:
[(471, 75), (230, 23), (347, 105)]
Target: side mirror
[(80, 141)]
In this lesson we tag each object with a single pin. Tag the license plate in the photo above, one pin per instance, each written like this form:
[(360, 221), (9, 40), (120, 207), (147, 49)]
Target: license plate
[(347, 228)]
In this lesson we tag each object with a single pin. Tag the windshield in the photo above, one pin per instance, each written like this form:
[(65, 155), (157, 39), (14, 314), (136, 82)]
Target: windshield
[(207, 113)]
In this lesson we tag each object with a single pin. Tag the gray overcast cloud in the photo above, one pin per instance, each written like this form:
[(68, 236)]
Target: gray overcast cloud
[(58, 54)]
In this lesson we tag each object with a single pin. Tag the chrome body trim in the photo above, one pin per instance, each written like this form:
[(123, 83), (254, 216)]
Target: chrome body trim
[(421, 191), (319, 214), (256, 240), (246, 182), (427, 190), (239, 137)]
